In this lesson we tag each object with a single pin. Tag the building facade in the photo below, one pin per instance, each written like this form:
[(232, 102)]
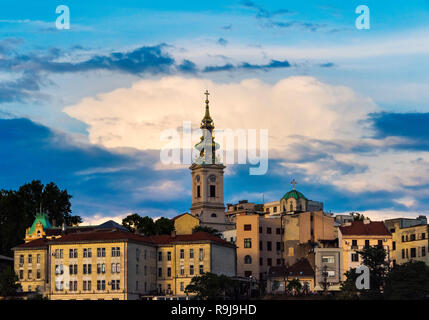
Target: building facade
[(113, 264), (355, 236), (410, 239)]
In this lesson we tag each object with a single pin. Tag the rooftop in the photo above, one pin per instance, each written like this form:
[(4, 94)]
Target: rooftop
[(374, 228), (300, 268)]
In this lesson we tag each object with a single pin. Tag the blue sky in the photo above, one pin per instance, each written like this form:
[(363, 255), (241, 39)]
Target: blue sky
[(347, 109)]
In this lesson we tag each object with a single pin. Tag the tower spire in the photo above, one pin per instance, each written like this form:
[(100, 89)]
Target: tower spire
[(207, 122)]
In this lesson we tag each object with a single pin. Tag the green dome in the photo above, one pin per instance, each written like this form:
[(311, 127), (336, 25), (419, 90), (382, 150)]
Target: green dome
[(43, 219), (294, 194)]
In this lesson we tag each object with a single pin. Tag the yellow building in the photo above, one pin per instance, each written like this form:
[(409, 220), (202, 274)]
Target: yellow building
[(355, 236), (31, 265), (185, 223), (108, 262), (410, 239), (181, 257)]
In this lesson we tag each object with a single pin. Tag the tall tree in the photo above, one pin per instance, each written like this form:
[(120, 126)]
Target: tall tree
[(8, 282), (164, 226), (18, 210)]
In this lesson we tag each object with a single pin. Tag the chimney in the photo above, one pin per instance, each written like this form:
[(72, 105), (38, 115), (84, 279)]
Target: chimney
[(64, 227), (173, 233)]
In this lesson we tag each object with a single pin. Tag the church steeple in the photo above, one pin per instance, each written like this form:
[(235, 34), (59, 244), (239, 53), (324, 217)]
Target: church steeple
[(207, 146), (207, 122), (207, 178)]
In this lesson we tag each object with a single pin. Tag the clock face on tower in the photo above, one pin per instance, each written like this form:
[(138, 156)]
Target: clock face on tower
[(212, 178)]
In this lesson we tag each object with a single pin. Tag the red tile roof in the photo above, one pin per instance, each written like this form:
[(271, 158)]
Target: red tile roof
[(118, 235), (38, 243), (101, 235), (197, 236), (300, 268), (357, 228)]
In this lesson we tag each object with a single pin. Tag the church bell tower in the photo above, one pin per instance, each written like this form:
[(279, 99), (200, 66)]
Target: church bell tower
[(207, 178)]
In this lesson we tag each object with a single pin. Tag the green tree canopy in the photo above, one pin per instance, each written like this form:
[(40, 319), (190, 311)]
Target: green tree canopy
[(147, 226), (408, 281), (8, 282), (210, 286), (18, 209), (206, 229), (357, 216), (374, 257)]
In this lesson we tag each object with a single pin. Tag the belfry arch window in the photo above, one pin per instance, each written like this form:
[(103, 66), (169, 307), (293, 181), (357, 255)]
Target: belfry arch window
[(212, 191), (198, 191), (214, 215)]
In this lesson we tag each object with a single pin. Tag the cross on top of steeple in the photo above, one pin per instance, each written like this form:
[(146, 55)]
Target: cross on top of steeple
[(293, 183)]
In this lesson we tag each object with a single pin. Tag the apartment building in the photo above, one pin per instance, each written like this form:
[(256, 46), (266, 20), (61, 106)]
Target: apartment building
[(410, 239), (181, 257), (355, 236), (113, 264)]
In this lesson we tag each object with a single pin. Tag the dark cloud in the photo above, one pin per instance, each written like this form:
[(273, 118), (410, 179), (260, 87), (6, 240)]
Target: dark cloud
[(413, 127), (273, 64), (100, 180)]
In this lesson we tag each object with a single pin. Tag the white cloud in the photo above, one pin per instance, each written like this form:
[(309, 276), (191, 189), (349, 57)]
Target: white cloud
[(136, 116), (295, 110)]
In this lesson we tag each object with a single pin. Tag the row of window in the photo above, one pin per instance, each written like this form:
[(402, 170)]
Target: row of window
[(87, 253), (413, 237), (29, 274), (87, 268), (355, 243), (248, 260), (413, 252), (269, 245), (182, 270), (29, 259), (86, 285), (248, 227), (182, 254)]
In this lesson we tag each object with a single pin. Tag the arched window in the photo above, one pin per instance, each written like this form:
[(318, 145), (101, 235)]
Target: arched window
[(291, 206), (247, 259), (214, 215), (38, 233)]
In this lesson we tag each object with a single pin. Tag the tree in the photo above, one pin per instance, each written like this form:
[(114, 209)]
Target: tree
[(374, 257), (18, 210), (8, 282), (147, 226), (357, 216), (164, 226), (408, 281), (206, 229), (210, 286), (294, 286), (348, 287)]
